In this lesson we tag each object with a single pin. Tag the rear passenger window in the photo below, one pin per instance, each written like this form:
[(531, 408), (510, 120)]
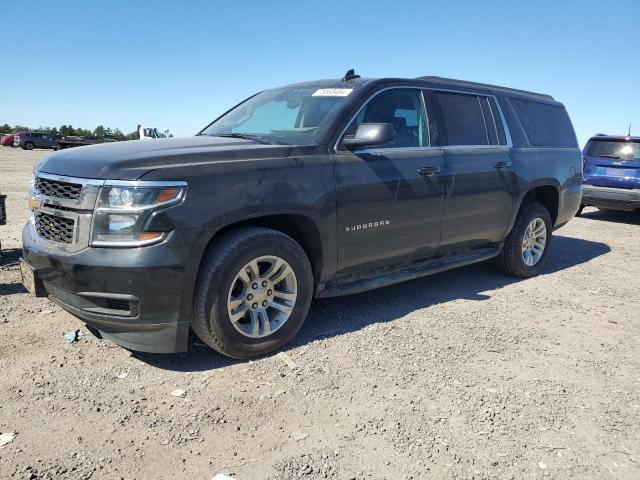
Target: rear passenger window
[(545, 125), (465, 119)]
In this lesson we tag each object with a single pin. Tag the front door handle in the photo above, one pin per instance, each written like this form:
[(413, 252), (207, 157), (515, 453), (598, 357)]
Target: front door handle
[(428, 171), (502, 164)]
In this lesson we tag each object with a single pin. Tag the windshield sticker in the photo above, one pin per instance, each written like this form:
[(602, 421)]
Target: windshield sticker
[(332, 92)]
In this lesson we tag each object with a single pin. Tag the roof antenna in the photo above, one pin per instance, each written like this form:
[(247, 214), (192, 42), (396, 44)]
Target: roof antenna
[(350, 75)]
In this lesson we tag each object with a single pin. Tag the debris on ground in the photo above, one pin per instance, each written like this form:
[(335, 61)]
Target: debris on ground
[(72, 336), (286, 359), (178, 393), (6, 438), (299, 436), (122, 375)]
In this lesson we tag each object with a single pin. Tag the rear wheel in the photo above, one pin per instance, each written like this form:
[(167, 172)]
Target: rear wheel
[(525, 249), (28, 146), (253, 292)]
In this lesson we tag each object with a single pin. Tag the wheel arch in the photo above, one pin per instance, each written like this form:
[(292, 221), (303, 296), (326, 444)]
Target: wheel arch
[(302, 228), (547, 194)]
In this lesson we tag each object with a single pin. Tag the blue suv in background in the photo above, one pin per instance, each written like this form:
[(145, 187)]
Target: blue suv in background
[(611, 177)]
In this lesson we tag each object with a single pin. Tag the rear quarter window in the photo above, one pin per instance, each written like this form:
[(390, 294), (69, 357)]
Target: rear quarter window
[(545, 125)]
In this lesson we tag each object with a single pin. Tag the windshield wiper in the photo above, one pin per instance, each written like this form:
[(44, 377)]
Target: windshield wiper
[(610, 156), (255, 138)]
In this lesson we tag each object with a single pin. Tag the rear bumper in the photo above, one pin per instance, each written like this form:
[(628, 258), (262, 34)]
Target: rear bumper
[(139, 298), (607, 197)]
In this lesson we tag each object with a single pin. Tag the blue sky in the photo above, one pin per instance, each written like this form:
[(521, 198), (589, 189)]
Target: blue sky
[(180, 64)]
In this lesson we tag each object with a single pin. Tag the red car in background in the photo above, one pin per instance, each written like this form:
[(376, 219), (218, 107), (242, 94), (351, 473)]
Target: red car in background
[(7, 139)]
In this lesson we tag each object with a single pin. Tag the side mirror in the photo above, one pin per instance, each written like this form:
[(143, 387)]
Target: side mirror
[(370, 134)]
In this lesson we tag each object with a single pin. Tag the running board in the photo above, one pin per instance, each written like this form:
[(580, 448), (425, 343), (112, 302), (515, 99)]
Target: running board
[(390, 277)]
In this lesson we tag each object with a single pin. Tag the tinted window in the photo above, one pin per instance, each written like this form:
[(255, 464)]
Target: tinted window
[(402, 108), (545, 125), (613, 149), (463, 119)]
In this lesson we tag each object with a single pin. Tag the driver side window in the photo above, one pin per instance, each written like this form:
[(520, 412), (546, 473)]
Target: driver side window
[(403, 109)]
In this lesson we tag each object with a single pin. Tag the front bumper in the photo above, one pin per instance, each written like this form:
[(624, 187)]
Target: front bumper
[(614, 198), (140, 298)]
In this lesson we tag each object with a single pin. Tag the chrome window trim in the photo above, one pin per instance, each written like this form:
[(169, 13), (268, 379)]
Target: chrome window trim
[(507, 133), (486, 125), (426, 119)]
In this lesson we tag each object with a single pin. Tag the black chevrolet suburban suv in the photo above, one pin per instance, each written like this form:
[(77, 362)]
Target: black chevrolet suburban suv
[(317, 189)]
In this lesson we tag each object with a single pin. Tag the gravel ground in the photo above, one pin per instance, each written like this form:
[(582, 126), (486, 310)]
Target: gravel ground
[(464, 374)]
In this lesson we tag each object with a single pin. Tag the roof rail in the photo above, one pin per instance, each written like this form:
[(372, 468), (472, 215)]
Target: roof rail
[(464, 83)]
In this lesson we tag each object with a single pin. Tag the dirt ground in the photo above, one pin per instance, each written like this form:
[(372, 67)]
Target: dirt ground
[(465, 374)]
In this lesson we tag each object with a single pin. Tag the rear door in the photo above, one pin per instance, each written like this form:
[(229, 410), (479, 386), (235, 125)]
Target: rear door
[(479, 172), (390, 197)]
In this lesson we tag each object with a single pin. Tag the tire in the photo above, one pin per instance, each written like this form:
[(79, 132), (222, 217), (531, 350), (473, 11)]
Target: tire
[(512, 258), (579, 212), (28, 146), (224, 261)]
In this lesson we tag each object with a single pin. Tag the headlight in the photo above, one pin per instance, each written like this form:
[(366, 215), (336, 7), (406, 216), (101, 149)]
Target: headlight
[(123, 210)]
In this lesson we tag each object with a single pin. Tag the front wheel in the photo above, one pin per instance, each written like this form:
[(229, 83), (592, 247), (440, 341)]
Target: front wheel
[(253, 292), (525, 249)]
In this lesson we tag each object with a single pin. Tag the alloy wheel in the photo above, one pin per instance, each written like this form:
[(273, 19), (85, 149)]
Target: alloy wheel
[(534, 242), (262, 296)]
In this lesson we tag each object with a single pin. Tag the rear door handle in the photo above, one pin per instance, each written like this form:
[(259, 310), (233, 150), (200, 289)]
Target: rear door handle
[(504, 164), (428, 171)]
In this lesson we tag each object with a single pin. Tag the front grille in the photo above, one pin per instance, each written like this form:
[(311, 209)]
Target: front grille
[(58, 229), (58, 189)]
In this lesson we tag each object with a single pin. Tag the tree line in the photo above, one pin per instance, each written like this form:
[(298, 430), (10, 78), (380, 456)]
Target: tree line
[(69, 130)]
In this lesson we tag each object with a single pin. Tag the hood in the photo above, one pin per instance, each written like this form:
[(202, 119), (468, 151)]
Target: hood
[(130, 160)]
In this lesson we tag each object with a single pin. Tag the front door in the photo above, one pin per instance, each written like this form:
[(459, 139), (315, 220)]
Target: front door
[(390, 198), (479, 173)]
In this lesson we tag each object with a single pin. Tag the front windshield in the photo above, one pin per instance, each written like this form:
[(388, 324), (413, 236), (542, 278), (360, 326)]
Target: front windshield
[(290, 115), (621, 149)]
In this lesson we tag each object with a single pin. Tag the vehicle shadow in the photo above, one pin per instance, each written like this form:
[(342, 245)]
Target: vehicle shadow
[(337, 316), (9, 260), (617, 216)]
